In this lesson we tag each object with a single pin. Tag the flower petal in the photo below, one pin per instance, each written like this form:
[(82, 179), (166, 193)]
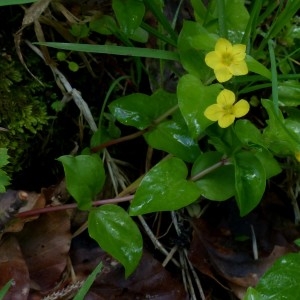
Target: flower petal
[(214, 112), (212, 59), (226, 98), (223, 74), (226, 120), (297, 155), (239, 51), (241, 108), (223, 45), (238, 68)]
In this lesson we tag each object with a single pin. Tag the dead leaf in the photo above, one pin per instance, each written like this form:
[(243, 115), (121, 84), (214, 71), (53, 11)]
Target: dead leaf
[(45, 244), (13, 266)]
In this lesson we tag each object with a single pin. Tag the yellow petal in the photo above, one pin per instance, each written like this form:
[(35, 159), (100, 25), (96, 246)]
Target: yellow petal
[(212, 59), (222, 74), (238, 68), (297, 155), (241, 108), (226, 120), (226, 98), (239, 51), (223, 45), (214, 112)]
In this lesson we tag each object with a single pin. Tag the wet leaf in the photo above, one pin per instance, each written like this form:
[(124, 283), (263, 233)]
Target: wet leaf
[(116, 233), (289, 93), (140, 110), (280, 282), (193, 99), (250, 181), (85, 177), (174, 138), (164, 188)]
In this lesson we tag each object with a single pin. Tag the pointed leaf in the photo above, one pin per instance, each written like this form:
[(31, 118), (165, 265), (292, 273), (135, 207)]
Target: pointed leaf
[(129, 14), (85, 177), (193, 99), (173, 138), (250, 181), (117, 234), (280, 282), (164, 188), (140, 110)]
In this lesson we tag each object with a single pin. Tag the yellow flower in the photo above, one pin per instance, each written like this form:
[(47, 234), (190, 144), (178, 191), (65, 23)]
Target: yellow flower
[(225, 111), (297, 155), (227, 60)]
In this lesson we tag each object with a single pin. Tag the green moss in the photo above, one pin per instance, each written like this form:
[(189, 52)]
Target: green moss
[(23, 112)]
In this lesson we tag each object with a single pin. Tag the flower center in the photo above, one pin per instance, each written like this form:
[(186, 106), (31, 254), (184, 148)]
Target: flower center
[(228, 109), (227, 59)]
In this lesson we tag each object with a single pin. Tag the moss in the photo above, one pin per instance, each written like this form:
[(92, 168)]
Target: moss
[(23, 111)]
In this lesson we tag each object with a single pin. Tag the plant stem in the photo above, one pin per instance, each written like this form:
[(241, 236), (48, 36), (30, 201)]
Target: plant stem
[(38, 211)]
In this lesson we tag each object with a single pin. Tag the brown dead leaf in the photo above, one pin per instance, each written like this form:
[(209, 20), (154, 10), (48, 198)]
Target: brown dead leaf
[(13, 266), (45, 244), (149, 281)]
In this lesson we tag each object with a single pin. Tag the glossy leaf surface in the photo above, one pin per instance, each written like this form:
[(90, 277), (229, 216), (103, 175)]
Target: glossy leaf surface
[(174, 138), (280, 282), (250, 181), (117, 234), (85, 177), (140, 110), (164, 188), (193, 99)]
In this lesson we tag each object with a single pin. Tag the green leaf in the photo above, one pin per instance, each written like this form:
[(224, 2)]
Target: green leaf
[(280, 282), (250, 181), (85, 177), (4, 178), (289, 93), (3, 157), (164, 188), (224, 140), (193, 99), (267, 160), (117, 234), (256, 67), (248, 133), (88, 282), (129, 14), (236, 18), (80, 30), (104, 25), (5, 288), (189, 42), (279, 138), (219, 184), (173, 137), (140, 110)]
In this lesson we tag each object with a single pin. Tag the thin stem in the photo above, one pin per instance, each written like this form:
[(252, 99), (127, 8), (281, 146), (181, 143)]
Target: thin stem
[(208, 170), (44, 210)]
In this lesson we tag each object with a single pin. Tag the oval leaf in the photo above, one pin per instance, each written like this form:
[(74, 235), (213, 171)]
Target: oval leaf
[(164, 188), (85, 177), (250, 181), (117, 234)]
